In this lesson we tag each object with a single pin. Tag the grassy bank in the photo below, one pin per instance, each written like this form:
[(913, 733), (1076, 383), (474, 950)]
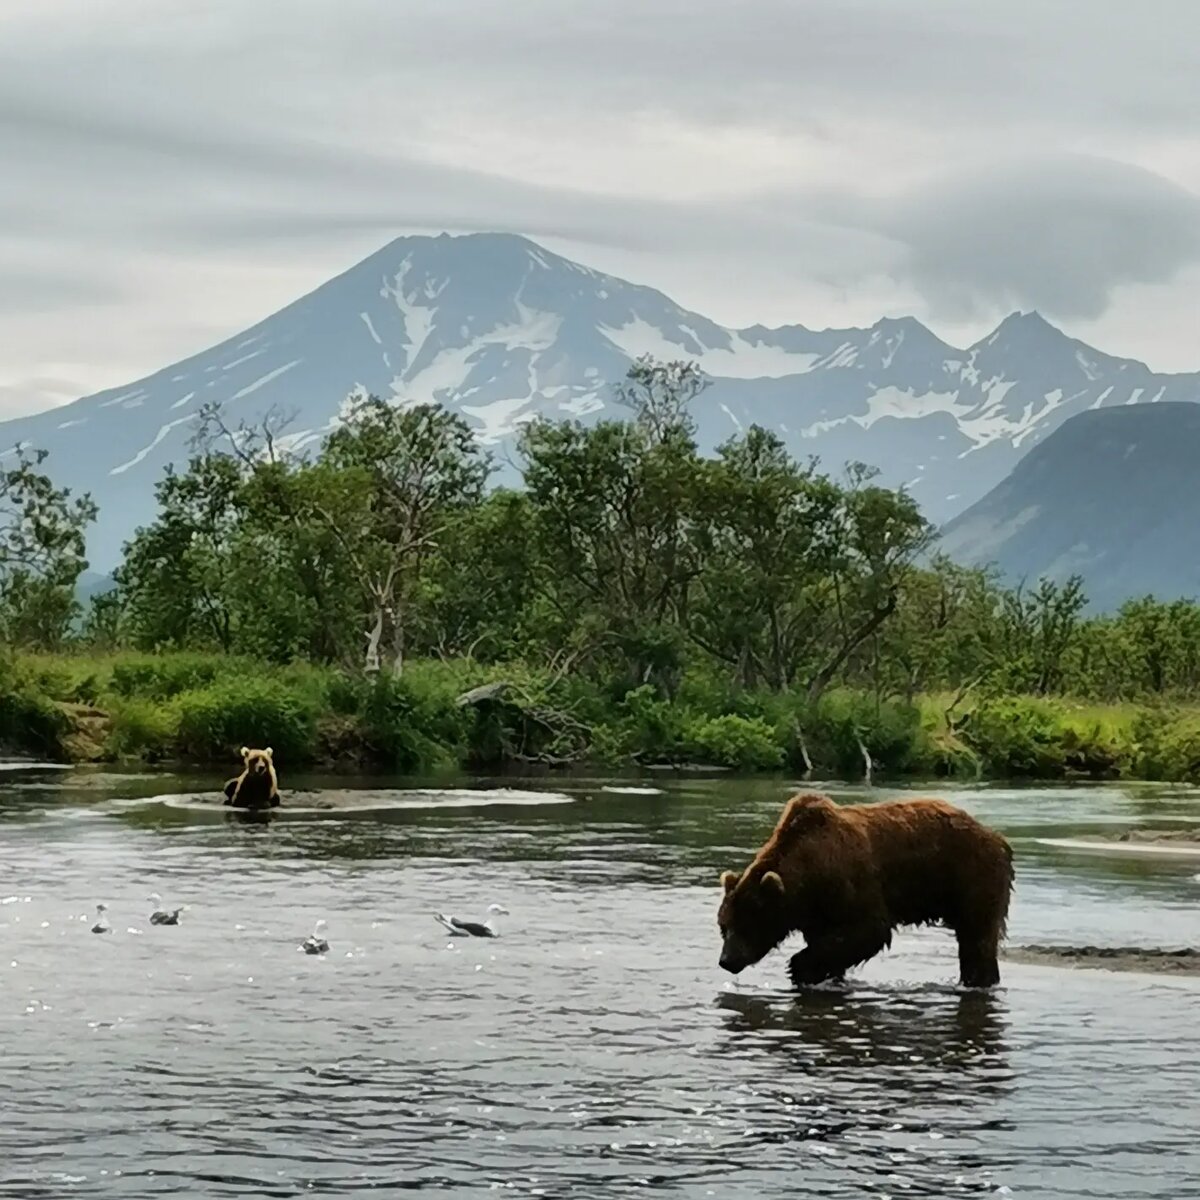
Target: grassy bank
[(200, 708)]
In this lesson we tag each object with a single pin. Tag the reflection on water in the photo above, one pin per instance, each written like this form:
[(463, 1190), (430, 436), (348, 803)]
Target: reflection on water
[(595, 1049)]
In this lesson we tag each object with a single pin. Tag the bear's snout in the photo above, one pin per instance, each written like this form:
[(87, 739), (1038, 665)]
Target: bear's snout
[(734, 955)]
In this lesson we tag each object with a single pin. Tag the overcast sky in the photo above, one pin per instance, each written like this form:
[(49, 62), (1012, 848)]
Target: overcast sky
[(174, 170)]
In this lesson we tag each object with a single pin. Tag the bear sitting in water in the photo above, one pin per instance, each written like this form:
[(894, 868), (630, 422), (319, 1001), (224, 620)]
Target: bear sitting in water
[(845, 878), (258, 785)]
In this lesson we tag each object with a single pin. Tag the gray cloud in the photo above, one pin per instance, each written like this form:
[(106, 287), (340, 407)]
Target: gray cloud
[(821, 162), (1056, 234), (47, 292)]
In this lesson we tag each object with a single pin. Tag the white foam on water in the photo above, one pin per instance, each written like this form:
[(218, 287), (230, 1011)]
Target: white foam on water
[(366, 800), (1134, 849), (633, 791), (34, 766)]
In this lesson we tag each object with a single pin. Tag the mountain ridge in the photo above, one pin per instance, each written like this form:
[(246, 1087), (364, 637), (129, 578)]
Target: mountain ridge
[(502, 330), (1109, 495)]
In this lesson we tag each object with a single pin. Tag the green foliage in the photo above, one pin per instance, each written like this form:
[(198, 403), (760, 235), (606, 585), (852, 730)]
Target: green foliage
[(412, 723), (42, 530), (891, 733), (30, 720), (142, 728), (1017, 736), (646, 602), (1165, 744), (165, 676), (216, 720), (747, 743)]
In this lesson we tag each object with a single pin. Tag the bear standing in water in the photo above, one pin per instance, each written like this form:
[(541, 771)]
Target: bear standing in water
[(257, 786), (845, 878)]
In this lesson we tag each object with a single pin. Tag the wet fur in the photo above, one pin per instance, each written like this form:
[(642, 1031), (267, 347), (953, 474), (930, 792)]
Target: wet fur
[(258, 785), (847, 878)]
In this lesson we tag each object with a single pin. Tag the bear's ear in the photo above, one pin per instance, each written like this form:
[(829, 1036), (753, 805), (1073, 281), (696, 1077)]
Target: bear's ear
[(245, 751), (729, 880), (773, 882), (268, 752)]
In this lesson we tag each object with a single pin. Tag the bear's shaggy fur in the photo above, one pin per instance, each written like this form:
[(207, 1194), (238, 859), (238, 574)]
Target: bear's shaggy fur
[(258, 785), (845, 878)]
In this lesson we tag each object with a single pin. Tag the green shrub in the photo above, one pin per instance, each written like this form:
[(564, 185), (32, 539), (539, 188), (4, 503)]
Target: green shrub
[(147, 729), (412, 723), (746, 743), (345, 694), (652, 728), (216, 720), (31, 723), (162, 677), (1017, 736), (890, 730), (1164, 744)]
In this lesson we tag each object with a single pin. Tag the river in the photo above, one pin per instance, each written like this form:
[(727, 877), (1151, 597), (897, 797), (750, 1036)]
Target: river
[(593, 1049)]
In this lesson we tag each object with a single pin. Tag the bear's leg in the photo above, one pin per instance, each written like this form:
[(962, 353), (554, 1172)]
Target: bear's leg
[(832, 954), (229, 789), (978, 961)]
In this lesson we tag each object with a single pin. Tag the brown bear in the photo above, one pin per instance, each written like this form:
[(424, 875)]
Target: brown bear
[(846, 878), (258, 785)]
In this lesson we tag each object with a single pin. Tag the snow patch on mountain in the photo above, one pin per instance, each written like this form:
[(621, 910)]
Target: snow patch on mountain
[(263, 380), (739, 359), (158, 438)]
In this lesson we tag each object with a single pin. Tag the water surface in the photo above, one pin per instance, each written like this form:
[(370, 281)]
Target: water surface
[(595, 1048)]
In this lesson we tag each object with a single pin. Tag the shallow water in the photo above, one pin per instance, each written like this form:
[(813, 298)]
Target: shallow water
[(595, 1048)]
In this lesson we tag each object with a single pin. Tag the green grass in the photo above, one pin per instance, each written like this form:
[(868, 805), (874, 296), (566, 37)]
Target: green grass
[(202, 708)]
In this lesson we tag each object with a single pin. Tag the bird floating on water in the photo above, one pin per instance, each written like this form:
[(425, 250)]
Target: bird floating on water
[(485, 928), (315, 943), (101, 925), (162, 917)]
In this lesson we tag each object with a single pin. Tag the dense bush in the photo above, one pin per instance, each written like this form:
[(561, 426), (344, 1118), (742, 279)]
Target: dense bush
[(214, 721), (203, 708), (1016, 736), (747, 743), (30, 721), (163, 676)]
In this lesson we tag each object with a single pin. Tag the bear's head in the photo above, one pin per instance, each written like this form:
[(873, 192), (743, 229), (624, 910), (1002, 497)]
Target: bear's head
[(753, 917), (257, 762)]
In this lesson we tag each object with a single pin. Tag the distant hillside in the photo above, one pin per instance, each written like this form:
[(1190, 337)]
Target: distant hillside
[(92, 583), (1112, 495)]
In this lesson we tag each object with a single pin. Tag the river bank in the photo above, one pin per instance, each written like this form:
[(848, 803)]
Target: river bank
[(197, 709)]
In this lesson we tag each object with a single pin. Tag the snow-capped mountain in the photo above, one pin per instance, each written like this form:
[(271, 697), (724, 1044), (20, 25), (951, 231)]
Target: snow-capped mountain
[(502, 330)]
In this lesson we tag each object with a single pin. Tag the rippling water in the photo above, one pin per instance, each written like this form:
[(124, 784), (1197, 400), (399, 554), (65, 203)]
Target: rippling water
[(595, 1048)]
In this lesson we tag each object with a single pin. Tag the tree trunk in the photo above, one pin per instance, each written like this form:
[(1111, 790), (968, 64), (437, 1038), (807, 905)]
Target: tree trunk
[(398, 643), (374, 637), (822, 679), (777, 672)]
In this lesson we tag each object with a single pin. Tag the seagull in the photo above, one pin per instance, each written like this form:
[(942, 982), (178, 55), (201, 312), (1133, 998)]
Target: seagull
[(160, 917), (315, 943), (101, 925), (473, 928)]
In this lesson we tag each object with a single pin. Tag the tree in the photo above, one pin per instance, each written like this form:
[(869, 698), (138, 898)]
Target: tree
[(615, 519), (42, 551), (881, 533), (175, 574), (409, 474), (1038, 629), (770, 529), (477, 596), (945, 633)]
